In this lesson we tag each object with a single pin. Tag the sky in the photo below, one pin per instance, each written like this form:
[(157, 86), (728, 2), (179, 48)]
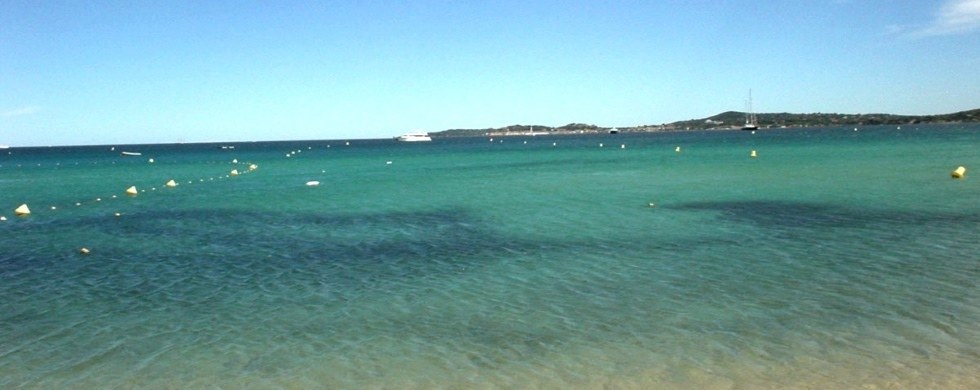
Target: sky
[(117, 72)]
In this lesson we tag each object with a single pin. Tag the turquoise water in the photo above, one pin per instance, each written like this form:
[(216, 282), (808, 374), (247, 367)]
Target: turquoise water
[(835, 259)]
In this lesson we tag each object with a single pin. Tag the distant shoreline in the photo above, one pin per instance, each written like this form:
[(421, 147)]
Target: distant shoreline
[(731, 120)]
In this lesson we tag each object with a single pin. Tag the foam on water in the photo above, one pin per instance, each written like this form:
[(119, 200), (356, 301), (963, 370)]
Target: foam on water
[(834, 259)]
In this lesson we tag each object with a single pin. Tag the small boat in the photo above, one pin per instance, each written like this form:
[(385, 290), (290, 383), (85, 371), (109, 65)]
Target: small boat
[(751, 123), (4, 147), (414, 137), (131, 154)]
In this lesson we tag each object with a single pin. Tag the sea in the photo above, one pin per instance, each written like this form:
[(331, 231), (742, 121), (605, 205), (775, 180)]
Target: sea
[(842, 257)]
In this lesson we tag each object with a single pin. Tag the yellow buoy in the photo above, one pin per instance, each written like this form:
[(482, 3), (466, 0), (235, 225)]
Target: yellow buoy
[(234, 172), (22, 210), (959, 172), (131, 191), (752, 154), (171, 183)]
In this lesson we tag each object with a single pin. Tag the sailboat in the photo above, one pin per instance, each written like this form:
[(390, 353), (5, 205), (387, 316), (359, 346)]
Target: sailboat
[(750, 121)]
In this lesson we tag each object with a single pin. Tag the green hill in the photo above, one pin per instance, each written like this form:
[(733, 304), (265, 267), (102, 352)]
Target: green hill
[(726, 121)]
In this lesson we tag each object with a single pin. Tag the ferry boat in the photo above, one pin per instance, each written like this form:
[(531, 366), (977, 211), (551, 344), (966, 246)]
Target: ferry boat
[(414, 137)]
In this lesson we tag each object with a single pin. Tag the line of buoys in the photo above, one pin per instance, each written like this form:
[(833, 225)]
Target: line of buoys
[(22, 210), (958, 173)]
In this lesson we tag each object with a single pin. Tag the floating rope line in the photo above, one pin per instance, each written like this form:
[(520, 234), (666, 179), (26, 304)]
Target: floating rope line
[(241, 168)]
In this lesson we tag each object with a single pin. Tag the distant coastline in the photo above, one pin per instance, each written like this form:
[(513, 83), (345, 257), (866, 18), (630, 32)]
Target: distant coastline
[(730, 120)]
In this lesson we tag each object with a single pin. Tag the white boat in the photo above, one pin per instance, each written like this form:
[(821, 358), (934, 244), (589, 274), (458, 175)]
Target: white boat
[(414, 137), (131, 154), (4, 147), (750, 121)]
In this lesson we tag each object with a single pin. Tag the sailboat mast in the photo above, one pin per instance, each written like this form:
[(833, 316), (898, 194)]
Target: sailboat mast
[(750, 120)]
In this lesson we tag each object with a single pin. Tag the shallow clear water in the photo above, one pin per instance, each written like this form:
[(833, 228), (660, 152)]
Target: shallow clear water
[(834, 259)]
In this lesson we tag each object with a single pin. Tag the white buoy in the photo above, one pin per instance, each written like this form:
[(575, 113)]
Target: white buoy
[(312, 183), (78, 203), (253, 167), (171, 183), (118, 214), (22, 210), (388, 162), (150, 161), (677, 149), (752, 154), (2, 218), (234, 172), (235, 161), (54, 207), (623, 146), (84, 251), (958, 173), (131, 191), (600, 144)]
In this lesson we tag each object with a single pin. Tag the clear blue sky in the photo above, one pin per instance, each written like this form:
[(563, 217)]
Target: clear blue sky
[(78, 72)]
